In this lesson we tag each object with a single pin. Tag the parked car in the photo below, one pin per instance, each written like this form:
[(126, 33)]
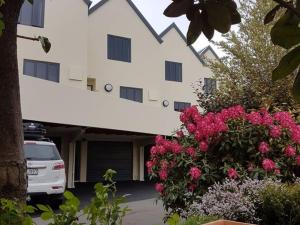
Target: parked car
[(45, 168)]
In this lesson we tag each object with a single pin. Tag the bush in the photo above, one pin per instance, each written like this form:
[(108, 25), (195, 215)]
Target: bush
[(234, 200), (280, 205), (193, 220), (232, 143), (104, 208)]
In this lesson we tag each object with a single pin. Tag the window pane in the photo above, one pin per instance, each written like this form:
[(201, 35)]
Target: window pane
[(134, 94), (180, 106), (118, 48), (38, 13), (173, 71), (28, 68), (26, 13), (122, 92), (130, 94), (53, 72), (41, 70)]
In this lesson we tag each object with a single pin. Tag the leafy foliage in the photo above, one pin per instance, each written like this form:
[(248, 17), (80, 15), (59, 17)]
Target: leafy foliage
[(205, 16), (46, 45), (193, 220), (244, 75), (232, 143), (13, 212), (280, 205)]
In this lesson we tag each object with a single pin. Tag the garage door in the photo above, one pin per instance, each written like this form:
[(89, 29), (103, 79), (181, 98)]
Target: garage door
[(109, 155)]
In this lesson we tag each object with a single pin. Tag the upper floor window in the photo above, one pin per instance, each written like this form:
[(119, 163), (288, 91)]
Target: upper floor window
[(210, 85), (43, 70), (118, 48), (32, 14), (173, 71), (133, 94), (180, 106)]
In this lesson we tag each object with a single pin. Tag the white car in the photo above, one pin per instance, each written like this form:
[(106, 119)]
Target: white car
[(45, 170)]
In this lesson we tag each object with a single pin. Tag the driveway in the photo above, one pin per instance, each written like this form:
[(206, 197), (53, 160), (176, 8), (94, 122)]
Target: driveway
[(141, 200)]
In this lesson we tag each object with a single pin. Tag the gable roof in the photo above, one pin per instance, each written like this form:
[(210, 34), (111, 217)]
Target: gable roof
[(203, 51), (151, 29)]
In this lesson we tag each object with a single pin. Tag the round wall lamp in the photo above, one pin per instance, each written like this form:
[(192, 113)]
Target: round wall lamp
[(165, 103), (108, 87)]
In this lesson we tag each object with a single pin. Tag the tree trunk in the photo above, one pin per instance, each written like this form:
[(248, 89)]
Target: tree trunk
[(13, 183)]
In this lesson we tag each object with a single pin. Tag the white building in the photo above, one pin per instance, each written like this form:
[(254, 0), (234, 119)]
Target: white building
[(108, 85)]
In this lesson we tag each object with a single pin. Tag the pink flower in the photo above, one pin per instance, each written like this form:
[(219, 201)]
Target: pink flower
[(232, 173), (298, 160), (163, 174), (263, 147), (161, 150), (255, 118), (195, 173), (179, 133), (290, 151), (267, 119), (153, 151), (268, 165), (183, 118), (275, 131), (159, 140), (295, 131), (159, 187), (285, 119), (191, 128), (277, 171), (191, 151), (198, 135), (203, 146), (176, 148), (149, 166), (251, 167)]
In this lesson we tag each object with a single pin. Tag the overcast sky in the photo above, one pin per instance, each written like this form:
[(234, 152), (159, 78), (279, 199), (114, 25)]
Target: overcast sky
[(153, 12)]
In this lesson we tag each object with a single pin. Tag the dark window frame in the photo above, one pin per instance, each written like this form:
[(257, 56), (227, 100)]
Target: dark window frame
[(173, 71), (180, 106), (118, 55), (134, 94), (210, 85), (39, 24), (35, 62)]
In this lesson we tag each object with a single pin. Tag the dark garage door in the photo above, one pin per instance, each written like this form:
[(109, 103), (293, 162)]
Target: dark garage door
[(109, 155)]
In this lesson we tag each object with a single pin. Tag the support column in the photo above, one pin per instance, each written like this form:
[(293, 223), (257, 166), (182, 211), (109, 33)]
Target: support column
[(71, 169), (135, 162), (142, 163), (83, 161)]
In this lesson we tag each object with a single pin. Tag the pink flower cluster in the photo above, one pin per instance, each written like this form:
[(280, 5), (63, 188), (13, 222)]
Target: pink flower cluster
[(195, 173)]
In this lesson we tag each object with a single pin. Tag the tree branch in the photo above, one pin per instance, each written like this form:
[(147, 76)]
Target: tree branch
[(28, 38), (288, 6)]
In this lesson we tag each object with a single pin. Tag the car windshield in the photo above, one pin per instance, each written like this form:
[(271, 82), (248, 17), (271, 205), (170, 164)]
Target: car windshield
[(41, 152)]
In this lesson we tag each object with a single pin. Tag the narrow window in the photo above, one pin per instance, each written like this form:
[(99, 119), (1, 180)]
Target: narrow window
[(210, 85), (173, 71), (43, 70), (32, 14), (118, 48), (180, 106), (133, 94)]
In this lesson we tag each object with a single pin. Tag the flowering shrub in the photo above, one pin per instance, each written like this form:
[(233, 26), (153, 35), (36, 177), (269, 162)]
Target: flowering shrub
[(231, 143), (234, 200)]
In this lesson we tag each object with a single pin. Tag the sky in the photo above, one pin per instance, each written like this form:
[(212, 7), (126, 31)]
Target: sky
[(153, 12)]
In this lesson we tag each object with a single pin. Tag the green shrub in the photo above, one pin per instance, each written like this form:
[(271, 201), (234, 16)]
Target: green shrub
[(280, 205), (14, 212), (193, 220)]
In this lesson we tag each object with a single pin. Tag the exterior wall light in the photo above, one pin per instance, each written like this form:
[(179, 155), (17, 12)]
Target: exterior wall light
[(108, 87), (165, 103)]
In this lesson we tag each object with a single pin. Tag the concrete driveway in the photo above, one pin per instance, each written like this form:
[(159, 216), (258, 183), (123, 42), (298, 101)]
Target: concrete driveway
[(141, 200)]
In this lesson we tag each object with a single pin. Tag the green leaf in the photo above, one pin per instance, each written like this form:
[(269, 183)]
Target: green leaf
[(218, 16), (69, 195), (286, 32), (271, 15), (178, 8), (287, 65), (46, 45), (43, 208), (46, 215), (195, 28), (2, 27), (207, 30), (296, 88)]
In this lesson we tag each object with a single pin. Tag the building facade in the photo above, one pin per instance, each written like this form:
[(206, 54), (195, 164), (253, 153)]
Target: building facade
[(109, 84)]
